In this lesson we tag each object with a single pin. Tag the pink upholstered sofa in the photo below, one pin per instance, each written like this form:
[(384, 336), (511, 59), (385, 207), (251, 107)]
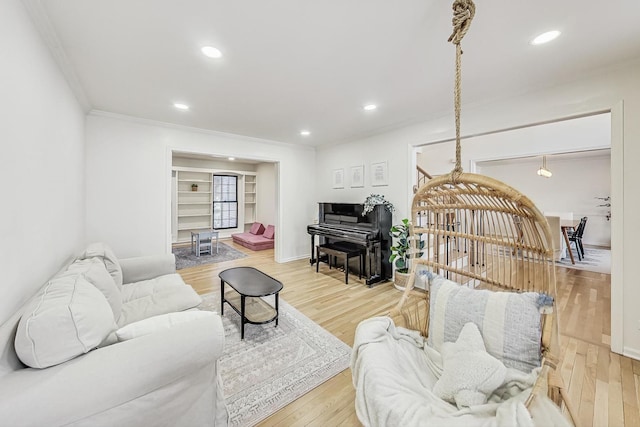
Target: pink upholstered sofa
[(257, 238)]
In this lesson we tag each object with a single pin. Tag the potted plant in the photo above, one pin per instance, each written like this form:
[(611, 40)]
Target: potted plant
[(194, 187), (401, 253), (376, 199)]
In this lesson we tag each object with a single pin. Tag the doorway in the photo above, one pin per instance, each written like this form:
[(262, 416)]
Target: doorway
[(194, 195), (562, 136)]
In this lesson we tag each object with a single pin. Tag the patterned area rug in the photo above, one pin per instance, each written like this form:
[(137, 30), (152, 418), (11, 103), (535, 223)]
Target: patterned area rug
[(273, 366), (595, 259), (185, 258)]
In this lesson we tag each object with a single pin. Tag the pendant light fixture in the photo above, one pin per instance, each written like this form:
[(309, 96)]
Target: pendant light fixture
[(543, 171)]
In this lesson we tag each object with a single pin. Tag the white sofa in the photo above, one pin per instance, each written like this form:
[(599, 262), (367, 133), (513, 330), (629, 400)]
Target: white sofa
[(83, 372)]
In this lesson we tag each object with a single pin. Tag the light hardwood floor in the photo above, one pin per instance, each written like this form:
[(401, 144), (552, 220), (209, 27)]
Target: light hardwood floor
[(604, 387)]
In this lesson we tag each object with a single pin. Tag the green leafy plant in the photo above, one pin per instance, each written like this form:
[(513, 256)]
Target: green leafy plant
[(401, 250), (376, 199)]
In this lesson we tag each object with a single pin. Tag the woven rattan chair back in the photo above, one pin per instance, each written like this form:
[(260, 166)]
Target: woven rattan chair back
[(499, 241)]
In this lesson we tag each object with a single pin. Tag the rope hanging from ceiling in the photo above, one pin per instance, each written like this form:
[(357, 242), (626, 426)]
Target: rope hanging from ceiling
[(463, 13)]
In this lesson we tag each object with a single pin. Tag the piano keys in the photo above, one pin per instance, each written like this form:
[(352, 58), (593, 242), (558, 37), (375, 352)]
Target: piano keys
[(344, 222)]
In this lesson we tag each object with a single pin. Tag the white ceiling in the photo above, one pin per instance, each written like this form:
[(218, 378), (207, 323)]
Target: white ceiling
[(290, 65)]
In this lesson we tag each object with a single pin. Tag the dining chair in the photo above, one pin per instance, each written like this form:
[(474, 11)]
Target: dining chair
[(576, 237), (204, 242)]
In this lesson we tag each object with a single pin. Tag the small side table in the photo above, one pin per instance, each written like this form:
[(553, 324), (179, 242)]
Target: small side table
[(195, 239)]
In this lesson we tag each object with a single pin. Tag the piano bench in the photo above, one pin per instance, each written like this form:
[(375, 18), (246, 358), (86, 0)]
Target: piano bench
[(344, 250)]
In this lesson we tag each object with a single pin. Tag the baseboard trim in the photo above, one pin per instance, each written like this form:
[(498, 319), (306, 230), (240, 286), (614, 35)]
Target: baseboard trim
[(295, 258), (632, 353)]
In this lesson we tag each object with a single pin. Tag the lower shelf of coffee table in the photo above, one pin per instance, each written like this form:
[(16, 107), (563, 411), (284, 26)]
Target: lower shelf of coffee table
[(256, 310)]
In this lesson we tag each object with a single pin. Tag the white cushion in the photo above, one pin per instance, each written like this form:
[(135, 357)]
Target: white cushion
[(470, 374), (157, 285), (95, 272), (510, 323), (157, 323), (105, 254), (67, 318), (164, 294)]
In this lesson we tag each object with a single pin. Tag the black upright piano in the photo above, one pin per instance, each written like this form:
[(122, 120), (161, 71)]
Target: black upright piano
[(344, 222)]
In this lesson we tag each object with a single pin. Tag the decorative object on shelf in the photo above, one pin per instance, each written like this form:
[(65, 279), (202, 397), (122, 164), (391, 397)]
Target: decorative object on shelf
[(357, 176), (379, 174), (607, 204), (543, 171), (376, 199), (401, 252), (607, 201), (338, 178), (194, 187)]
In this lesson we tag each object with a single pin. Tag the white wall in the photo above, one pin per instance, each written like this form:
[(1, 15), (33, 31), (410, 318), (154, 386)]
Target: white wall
[(616, 88), (375, 149), (129, 182), (266, 193), (42, 162), (573, 187)]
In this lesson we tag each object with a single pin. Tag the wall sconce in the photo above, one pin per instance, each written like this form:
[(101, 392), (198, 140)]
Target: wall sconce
[(543, 171)]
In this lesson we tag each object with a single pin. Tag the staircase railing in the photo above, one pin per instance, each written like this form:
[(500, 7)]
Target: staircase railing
[(423, 177)]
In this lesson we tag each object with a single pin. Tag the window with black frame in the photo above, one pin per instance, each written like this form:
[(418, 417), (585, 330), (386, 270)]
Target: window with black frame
[(225, 201)]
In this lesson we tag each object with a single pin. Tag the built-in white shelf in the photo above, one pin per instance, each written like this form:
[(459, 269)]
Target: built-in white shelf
[(193, 210), (193, 228), (250, 198), (194, 207)]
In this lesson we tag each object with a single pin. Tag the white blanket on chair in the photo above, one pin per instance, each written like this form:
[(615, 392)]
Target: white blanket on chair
[(394, 372)]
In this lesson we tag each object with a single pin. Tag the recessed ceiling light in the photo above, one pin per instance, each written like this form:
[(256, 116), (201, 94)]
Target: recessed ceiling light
[(181, 106), (545, 37), (211, 52), (305, 133), (231, 158), (370, 107)]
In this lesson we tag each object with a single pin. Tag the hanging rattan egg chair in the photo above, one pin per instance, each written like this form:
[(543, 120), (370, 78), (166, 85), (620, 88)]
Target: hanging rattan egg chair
[(482, 234)]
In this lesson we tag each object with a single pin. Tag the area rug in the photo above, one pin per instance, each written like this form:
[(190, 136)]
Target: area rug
[(595, 259), (185, 258), (273, 366)]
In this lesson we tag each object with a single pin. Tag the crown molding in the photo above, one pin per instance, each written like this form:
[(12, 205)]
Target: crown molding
[(41, 21), (185, 128)]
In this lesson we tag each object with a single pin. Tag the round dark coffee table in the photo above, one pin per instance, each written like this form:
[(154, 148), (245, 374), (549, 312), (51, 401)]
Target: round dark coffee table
[(248, 285)]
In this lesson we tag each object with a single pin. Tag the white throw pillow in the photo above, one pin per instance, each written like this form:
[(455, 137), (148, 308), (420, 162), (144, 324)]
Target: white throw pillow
[(510, 322), (158, 323), (95, 272), (67, 318), (470, 374), (105, 254)]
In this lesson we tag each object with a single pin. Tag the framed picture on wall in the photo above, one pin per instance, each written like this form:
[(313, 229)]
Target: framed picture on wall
[(379, 174), (338, 178), (357, 176)]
